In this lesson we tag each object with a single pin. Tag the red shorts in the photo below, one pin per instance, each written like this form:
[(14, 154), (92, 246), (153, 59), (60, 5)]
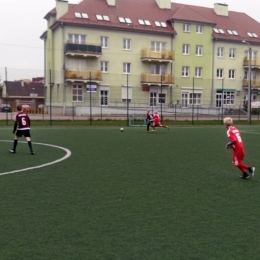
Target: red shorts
[(157, 122), (237, 157)]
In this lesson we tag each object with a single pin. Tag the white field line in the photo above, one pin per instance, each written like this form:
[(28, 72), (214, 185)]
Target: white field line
[(68, 154)]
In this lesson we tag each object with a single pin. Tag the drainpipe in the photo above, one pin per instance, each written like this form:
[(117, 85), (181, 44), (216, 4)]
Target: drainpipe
[(212, 75), (64, 71)]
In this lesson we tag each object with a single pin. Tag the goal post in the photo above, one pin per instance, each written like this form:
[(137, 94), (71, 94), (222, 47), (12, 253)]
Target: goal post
[(136, 120)]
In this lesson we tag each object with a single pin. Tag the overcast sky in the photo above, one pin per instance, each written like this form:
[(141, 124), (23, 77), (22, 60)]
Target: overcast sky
[(22, 23)]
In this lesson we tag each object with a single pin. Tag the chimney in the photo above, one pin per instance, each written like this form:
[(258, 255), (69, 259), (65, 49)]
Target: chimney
[(111, 2), (164, 4), (62, 7), (221, 9)]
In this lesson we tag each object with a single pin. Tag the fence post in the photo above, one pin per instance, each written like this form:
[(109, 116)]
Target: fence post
[(192, 116), (127, 104), (6, 94)]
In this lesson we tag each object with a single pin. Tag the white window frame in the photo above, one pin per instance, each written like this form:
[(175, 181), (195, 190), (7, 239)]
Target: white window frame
[(185, 71), (231, 74), (199, 50), (126, 68), (78, 96), (232, 53), (127, 44), (198, 72), (186, 49), (199, 29), (157, 69), (158, 46), (161, 98), (186, 27), (124, 95), (187, 98), (220, 52), (77, 38), (220, 73), (104, 41), (104, 66), (228, 98)]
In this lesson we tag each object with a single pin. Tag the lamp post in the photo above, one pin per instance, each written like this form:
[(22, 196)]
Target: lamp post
[(249, 83)]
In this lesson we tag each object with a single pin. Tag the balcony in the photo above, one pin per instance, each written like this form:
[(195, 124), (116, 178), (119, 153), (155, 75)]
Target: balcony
[(84, 50), (84, 75), (255, 63), (254, 83), (157, 79), (160, 56)]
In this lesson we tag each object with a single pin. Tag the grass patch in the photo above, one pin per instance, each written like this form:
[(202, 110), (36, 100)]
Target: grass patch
[(131, 195)]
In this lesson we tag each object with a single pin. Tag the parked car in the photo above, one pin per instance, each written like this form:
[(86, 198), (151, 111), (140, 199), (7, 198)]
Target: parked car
[(5, 108)]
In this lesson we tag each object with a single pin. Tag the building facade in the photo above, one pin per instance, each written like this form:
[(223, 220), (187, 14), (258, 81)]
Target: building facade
[(148, 53)]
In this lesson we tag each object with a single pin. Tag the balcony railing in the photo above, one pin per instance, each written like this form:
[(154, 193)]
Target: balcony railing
[(157, 55), (254, 62), (93, 50), (254, 83), (157, 78), (84, 75)]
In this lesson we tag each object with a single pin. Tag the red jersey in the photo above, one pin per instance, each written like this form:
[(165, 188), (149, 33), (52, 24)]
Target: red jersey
[(23, 121), (234, 136)]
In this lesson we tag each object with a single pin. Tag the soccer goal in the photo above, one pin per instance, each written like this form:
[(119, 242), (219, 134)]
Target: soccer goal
[(135, 120)]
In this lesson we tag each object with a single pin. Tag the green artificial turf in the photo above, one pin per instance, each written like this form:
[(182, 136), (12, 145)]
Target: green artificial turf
[(129, 195)]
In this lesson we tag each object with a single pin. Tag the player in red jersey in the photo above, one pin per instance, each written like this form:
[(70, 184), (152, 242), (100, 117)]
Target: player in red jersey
[(22, 124), (157, 121), (236, 143)]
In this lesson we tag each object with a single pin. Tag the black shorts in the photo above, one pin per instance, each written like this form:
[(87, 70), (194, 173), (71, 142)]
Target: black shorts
[(25, 133)]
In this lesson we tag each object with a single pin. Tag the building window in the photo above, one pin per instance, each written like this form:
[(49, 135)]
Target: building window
[(185, 71), (158, 69), (220, 52), (190, 98), (227, 98), (104, 42), (103, 97), (185, 49), (77, 93), (77, 38), (199, 29), (186, 27), (126, 94), (231, 74), (126, 44), (162, 98), (199, 50), (198, 72), (232, 53), (158, 46), (126, 68), (253, 55), (104, 66), (220, 73)]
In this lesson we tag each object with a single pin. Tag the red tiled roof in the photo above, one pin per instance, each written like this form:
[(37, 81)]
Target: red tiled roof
[(186, 13), (15, 88), (240, 22), (149, 10), (133, 9)]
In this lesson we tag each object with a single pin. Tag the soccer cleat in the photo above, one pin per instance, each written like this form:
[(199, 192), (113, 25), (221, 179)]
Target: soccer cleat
[(32, 152), (245, 176), (252, 172), (11, 151), (152, 130)]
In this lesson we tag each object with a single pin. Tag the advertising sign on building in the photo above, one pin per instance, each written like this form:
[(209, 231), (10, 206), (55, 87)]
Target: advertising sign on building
[(91, 88)]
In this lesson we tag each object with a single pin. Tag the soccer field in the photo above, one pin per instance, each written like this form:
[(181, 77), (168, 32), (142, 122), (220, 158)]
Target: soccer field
[(131, 195)]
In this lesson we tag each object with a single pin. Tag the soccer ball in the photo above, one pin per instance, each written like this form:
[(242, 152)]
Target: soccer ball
[(122, 129)]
